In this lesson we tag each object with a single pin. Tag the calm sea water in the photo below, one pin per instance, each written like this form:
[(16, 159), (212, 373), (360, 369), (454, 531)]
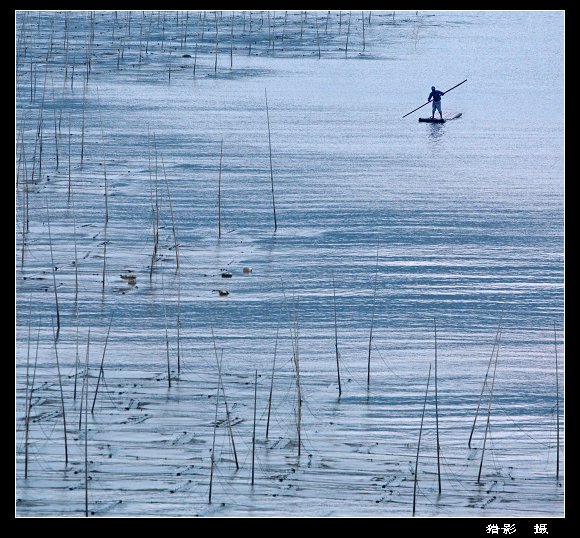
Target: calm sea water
[(467, 219)]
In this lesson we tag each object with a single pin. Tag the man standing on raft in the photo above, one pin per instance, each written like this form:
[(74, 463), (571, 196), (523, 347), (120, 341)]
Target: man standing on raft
[(436, 96)]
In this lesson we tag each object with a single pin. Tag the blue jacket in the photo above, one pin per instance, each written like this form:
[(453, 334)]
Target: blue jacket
[(436, 95)]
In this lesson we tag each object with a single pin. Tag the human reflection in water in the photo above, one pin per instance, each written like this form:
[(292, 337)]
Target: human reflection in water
[(435, 131)]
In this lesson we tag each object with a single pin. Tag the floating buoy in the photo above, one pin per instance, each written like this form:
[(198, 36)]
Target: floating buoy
[(226, 274), (247, 270)]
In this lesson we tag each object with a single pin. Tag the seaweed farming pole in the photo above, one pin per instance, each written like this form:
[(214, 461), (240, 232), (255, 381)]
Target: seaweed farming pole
[(53, 275), (488, 413), (29, 405), (299, 402), (212, 465), (272, 384), (178, 324), (228, 418), (557, 409), (372, 319), (317, 34), (220, 191), (495, 343), (84, 381), (419, 442), (216, 44), (271, 169), (101, 373), (254, 434), (437, 411), (336, 339), (363, 28), (166, 334), (175, 243), (347, 35), (55, 337), (232, 43), (87, 438), (69, 158)]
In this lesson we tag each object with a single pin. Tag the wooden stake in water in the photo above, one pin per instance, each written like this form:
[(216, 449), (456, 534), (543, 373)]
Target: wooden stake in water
[(372, 319), (437, 410), (317, 34), (220, 191), (495, 342), (69, 158), (347, 34), (336, 339), (228, 417), (179, 323), (232, 43), (216, 44), (419, 442), (488, 413), (173, 227), (53, 269), (557, 409), (87, 439), (363, 28), (29, 405), (101, 373), (84, 382), (271, 168), (272, 385), (166, 334), (254, 434), (212, 465), (61, 395)]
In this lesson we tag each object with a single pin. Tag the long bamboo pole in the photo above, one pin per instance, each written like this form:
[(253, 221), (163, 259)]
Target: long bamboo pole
[(272, 384), (488, 413), (271, 168), (437, 411), (495, 342), (61, 395), (557, 409), (419, 442), (336, 339), (254, 434)]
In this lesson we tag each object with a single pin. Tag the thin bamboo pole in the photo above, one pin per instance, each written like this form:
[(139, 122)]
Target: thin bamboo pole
[(173, 227), (220, 191), (336, 339), (29, 405), (101, 372), (254, 433), (495, 342), (372, 318), (212, 465), (228, 417), (53, 268), (83, 388), (272, 384), (166, 334), (419, 442), (557, 409), (437, 411), (87, 438), (271, 168), (347, 35), (363, 29), (488, 412), (61, 395)]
